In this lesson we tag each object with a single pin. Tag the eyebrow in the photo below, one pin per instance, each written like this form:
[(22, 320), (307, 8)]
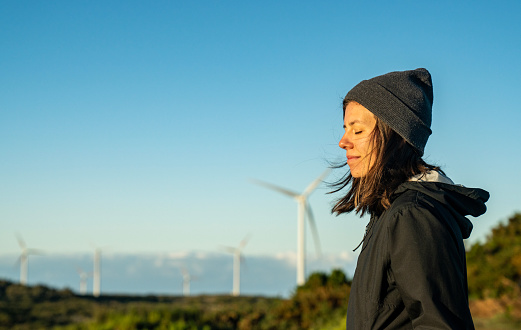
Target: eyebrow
[(356, 121)]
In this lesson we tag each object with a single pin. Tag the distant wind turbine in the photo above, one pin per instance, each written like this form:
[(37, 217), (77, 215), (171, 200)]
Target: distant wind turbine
[(24, 258), (186, 281), (83, 280), (303, 209), (237, 256)]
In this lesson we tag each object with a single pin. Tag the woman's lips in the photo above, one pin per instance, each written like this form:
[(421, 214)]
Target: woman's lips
[(352, 159)]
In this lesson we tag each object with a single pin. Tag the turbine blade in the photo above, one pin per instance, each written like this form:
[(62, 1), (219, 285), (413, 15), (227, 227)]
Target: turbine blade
[(21, 242), (276, 188), (314, 230), (228, 249), (244, 265), (244, 241), (17, 262), (35, 252), (83, 273), (184, 272), (313, 185)]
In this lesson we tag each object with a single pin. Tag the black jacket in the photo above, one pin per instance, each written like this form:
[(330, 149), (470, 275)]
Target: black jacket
[(411, 272)]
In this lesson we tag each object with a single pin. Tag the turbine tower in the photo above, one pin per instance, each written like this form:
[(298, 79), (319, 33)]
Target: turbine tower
[(96, 276), (186, 281), (237, 256), (303, 209), (24, 259)]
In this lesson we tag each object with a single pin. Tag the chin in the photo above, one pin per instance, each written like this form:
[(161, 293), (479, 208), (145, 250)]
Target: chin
[(355, 173)]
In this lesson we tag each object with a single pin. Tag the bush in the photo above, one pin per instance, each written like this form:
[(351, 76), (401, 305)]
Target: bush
[(494, 267)]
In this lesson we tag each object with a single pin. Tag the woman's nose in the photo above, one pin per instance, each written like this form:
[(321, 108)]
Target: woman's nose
[(344, 142)]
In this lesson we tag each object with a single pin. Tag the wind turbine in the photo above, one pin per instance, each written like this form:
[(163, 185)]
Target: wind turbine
[(303, 209), (237, 256), (186, 281), (83, 280), (24, 259)]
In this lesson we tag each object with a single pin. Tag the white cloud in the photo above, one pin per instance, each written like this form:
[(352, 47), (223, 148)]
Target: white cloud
[(289, 256), (160, 273), (202, 255), (178, 255), (347, 256)]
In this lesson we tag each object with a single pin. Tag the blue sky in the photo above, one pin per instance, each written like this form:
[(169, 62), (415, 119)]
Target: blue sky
[(137, 125)]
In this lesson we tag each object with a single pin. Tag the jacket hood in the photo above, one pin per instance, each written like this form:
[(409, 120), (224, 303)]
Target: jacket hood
[(459, 200)]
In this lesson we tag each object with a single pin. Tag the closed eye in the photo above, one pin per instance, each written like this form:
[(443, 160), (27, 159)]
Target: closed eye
[(358, 132)]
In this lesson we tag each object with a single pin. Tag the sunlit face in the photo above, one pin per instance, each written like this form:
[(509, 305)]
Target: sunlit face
[(358, 125)]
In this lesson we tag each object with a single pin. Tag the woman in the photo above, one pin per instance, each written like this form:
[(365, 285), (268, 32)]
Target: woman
[(411, 272)]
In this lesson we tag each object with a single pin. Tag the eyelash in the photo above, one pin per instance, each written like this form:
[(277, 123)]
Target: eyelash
[(358, 132)]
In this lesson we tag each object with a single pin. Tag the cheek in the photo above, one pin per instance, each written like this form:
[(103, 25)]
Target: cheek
[(364, 146)]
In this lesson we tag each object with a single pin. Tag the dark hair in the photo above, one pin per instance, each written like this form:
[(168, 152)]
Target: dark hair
[(396, 161)]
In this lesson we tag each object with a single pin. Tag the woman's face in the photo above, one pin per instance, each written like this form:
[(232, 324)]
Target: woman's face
[(358, 125)]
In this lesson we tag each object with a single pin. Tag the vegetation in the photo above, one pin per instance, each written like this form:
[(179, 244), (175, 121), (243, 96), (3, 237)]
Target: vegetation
[(321, 300), (494, 277), (494, 267)]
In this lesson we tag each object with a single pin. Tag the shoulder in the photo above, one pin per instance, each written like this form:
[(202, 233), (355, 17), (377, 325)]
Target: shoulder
[(409, 208), (406, 201)]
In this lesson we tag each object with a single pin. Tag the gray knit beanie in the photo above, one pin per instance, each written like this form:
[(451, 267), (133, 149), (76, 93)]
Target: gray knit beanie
[(403, 100)]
